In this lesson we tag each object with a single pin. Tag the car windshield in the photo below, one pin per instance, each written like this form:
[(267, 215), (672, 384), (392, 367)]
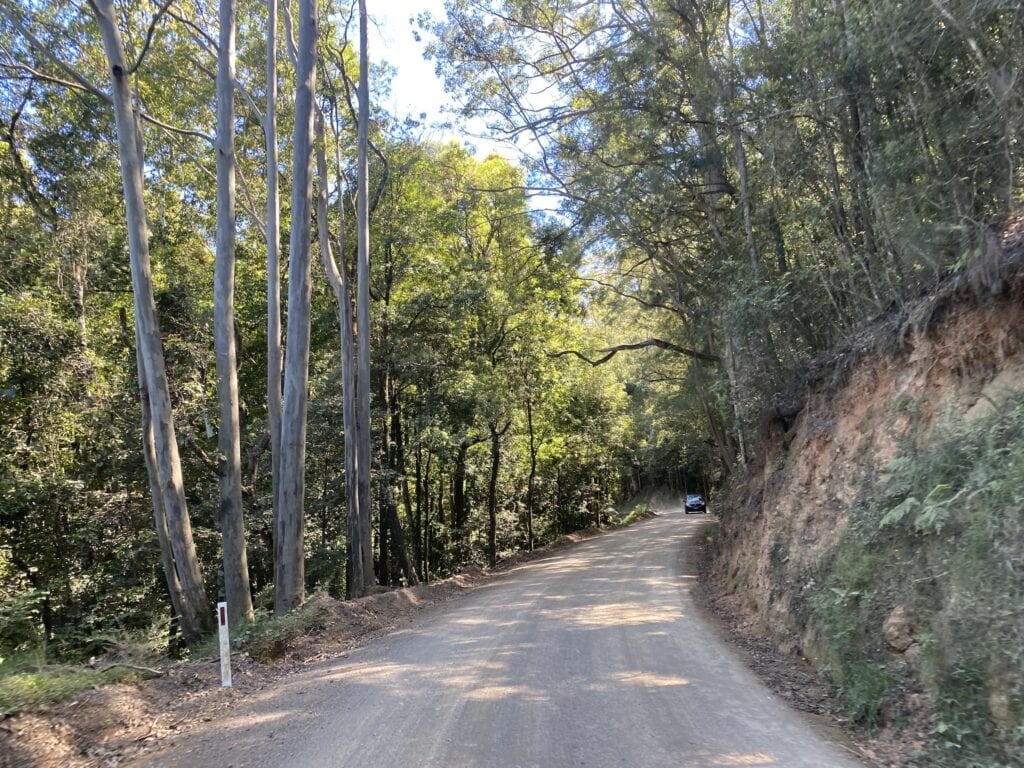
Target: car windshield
[(694, 497)]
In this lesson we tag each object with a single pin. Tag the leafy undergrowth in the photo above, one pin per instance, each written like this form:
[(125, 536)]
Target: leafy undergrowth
[(638, 511), (925, 594), (27, 680), (269, 636)]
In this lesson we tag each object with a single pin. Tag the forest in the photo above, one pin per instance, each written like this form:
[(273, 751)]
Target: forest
[(261, 338)]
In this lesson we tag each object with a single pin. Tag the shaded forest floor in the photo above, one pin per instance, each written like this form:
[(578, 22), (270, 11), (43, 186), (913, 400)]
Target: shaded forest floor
[(110, 725)]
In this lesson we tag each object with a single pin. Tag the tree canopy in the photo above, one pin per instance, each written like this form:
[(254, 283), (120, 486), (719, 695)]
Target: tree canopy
[(740, 185)]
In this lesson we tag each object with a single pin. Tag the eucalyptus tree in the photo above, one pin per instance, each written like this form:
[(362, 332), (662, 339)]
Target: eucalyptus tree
[(772, 172), (236, 567), (362, 378), (272, 229), (289, 523), (161, 448)]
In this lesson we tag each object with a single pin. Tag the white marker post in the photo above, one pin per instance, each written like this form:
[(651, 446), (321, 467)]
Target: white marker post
[(225, 645)]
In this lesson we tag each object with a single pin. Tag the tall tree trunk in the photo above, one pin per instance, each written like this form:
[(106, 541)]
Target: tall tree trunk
[(724, 445), (532, 479), (273, 236), (492, 491), (736, 394), (363, 299), (417, 531), (383, 537), (398, 544), (460, 510), (745, 202), (289, 563), (236, 567), (356, 564), (393, 458), (195, 614), (163, 538)]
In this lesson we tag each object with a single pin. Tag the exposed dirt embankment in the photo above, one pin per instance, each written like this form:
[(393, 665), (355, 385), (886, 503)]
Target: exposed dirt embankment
[(879, 534)]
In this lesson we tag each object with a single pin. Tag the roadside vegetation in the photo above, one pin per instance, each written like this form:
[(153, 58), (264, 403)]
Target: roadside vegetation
[(467, 356), (940, 537)]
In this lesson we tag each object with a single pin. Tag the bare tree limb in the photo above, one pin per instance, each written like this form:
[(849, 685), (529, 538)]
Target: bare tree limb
[(161, 10), (610, 352), (174, 129)]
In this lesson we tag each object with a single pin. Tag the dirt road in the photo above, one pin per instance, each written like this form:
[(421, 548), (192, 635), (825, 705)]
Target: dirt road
[(592, 657)]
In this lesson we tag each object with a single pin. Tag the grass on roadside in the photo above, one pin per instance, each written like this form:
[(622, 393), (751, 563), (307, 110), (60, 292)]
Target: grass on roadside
[(27, 680), (631, 513), (268, 636)]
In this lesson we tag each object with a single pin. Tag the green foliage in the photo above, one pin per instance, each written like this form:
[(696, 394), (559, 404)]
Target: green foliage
[(21, 621), (765, 180), (268, 636), (630, 513), (27, 680), (849, 614)]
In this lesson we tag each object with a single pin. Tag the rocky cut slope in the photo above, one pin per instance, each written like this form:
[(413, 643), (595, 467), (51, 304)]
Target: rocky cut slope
[(880, 533)]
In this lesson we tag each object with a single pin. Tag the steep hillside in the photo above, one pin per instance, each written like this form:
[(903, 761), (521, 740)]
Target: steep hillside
[(881, 532)]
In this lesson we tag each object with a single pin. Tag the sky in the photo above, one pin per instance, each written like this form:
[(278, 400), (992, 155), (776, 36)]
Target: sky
[(416, 89)]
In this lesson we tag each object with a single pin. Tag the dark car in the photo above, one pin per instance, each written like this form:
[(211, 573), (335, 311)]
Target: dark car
[(694, 503)]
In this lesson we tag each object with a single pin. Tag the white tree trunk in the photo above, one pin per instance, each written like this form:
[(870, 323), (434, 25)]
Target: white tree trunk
[(273, 235), (363, 299), (289, 565), (174, 590), (236, 567), (195, 617), (357, 567)]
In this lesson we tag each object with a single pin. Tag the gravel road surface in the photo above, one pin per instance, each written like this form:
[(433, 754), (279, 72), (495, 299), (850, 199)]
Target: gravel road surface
[(595, 656)]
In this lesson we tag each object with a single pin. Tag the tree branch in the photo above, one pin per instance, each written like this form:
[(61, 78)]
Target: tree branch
[(47, 52), (161, 10), (610, 352)]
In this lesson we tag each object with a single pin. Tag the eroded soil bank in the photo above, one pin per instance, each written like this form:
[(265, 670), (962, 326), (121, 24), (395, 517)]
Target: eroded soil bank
[(880, 532)]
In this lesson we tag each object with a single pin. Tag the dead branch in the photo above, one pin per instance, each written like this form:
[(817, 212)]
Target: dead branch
[(610, 352)]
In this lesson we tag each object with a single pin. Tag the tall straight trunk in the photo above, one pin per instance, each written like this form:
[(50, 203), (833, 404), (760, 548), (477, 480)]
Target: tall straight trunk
[(745, 202), (492, 491), (383, 537), (356, 565), (734, 398), (460, 509), (163, 538), (289, 563), (532, 480), (407, 561), (492, 497), (393, 456), (236, 567), (400, 550), (195, 615), (273, 236), (855, 86), (363, 299), (417, 528), (723, 444)]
